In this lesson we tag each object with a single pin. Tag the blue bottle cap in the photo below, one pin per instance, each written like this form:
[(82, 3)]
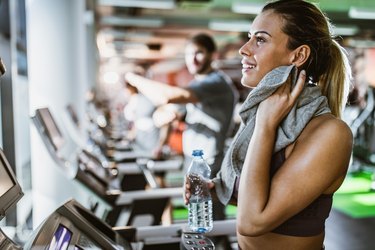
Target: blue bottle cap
[(197, 152)]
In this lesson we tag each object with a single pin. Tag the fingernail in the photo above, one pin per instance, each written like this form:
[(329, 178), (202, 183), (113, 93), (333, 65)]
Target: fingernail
[(303, 72)]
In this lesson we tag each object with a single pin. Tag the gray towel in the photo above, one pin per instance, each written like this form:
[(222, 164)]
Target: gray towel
[(309, 104)]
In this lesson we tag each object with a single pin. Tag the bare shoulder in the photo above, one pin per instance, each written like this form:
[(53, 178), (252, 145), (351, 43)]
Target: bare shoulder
[(325, 146), (330, 127), (325, 134)]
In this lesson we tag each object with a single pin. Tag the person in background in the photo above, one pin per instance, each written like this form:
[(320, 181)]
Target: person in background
[(292, 150), (210, 99), (144, 132)]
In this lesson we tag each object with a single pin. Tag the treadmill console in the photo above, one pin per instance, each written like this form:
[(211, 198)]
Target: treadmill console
[(73, 227), (54, 135), (10, 190), (10, 194), (195, 241)]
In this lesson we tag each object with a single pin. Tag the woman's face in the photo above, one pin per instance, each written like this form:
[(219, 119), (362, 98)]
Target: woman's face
[(265, 50)]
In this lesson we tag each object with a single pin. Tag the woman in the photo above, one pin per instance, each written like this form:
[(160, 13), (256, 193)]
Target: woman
[(292, 150)]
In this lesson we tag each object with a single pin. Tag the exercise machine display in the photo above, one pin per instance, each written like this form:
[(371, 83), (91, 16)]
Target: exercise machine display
[(72, 226)]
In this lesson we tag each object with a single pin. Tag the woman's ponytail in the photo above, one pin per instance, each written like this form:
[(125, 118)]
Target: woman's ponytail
[(335, 82)]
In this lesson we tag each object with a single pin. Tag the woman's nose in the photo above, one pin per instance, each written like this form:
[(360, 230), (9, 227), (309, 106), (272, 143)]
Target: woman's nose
[(245, 50)]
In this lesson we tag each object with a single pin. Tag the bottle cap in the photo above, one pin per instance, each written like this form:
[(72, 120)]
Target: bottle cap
[(197, 152)]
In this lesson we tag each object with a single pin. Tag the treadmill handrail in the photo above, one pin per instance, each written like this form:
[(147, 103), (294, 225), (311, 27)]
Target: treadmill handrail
[(127, 197), (174, 164), (166, 232)]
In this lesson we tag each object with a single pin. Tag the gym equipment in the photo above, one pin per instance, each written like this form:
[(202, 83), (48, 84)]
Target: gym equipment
[(363, 129), (10, 194), (176, 236), (104, 183), (70, 225), (2, 67), (196, 241)]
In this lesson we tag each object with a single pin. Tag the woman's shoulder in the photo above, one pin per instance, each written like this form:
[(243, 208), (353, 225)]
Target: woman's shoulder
[(324, 145), (330, 123), (328, 128)]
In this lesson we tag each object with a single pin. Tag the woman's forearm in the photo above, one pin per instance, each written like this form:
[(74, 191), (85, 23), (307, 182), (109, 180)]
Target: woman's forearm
[(153, 90), (254, 188), (160, 93)]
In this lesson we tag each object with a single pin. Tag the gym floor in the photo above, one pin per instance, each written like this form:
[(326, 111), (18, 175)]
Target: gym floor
[(346, 233)]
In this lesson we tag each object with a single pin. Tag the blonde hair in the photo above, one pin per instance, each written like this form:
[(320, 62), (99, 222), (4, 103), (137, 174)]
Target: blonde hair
[(335, 82)]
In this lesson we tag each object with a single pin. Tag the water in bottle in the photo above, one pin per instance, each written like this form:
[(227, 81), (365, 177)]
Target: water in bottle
[(200, 203)]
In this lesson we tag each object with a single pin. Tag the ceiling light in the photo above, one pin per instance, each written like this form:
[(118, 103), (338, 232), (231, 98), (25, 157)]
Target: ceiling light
[(120, 34), (341, 30), (359, 43), (132, 21), (150, 4), (361, 13), (230, 25), (247, 8)]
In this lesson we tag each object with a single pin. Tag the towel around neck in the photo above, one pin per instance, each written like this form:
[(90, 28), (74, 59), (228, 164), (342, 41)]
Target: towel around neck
[(309, 104)]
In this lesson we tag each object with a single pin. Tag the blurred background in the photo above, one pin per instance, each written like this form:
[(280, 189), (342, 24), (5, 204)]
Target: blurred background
[(71, 56)]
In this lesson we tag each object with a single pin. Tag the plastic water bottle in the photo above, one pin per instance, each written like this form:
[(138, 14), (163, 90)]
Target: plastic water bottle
[(200, 204)]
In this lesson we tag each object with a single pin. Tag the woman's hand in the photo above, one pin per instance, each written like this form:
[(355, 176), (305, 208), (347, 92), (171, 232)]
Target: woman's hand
[(187, 191), (275, 108)]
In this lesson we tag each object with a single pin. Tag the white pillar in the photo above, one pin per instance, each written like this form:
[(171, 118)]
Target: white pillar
[(57, 77)]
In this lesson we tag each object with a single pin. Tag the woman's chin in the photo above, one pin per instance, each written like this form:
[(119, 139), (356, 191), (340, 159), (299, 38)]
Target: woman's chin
[(247, 83)]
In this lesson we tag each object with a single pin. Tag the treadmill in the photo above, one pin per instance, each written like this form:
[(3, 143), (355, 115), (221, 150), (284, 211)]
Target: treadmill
[(73, 227), (70, 227), (10, 194), (119, 154), (103, 183)]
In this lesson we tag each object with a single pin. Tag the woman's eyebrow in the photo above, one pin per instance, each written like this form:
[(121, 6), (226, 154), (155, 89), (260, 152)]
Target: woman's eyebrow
[(260, 32)]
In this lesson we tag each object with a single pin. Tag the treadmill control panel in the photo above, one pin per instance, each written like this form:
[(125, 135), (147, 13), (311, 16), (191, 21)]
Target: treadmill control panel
[(195, 241)]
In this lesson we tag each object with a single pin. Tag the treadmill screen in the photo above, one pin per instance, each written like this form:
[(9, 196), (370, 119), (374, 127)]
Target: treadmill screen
[(51, 128), (61, 239), (6, 182)]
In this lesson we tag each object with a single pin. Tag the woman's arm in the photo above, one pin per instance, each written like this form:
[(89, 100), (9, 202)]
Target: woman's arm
[(316, 164), (160, 93)]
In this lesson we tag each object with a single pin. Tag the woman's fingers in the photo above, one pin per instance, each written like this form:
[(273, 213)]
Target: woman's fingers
[(276, 107), (296, 91), (210, 184), (187, 191)]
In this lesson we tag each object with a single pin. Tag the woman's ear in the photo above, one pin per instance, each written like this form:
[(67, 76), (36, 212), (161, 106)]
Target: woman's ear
[(300, 55)]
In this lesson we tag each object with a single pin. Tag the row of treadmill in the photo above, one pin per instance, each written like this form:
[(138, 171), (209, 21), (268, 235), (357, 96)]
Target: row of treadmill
[(129, 202)]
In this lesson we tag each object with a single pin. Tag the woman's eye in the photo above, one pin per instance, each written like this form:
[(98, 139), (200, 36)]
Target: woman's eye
[(260, 40)]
